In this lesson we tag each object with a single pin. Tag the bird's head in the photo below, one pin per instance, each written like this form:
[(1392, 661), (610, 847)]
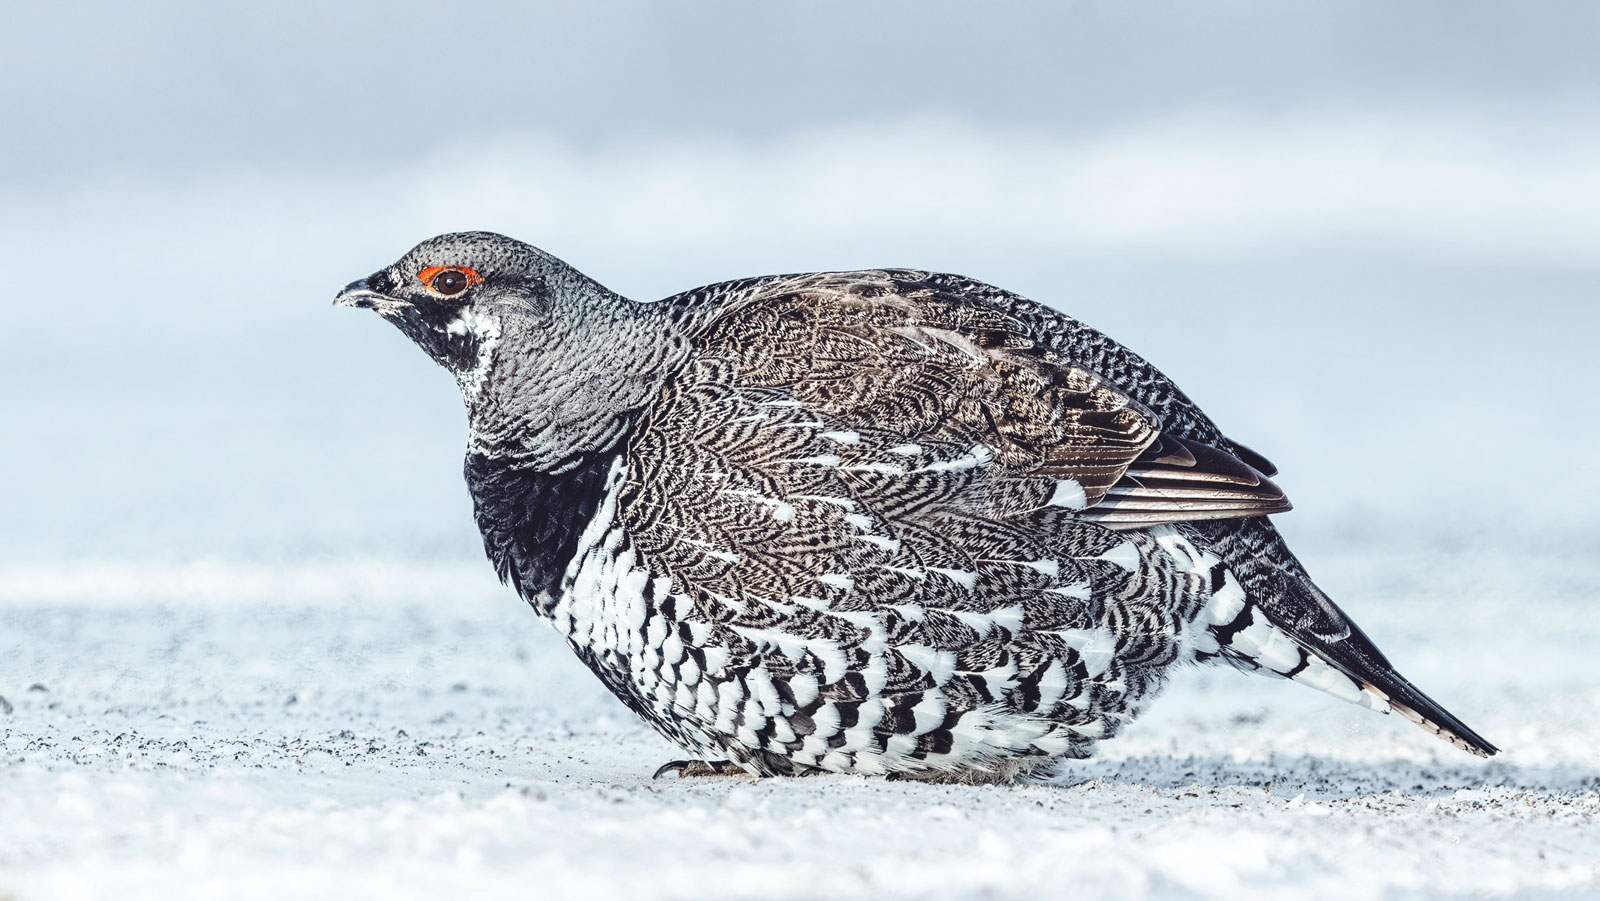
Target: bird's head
[(536, 346), (454, 295)]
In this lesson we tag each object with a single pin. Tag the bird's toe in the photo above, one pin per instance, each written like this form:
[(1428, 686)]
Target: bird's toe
[(698, 768)]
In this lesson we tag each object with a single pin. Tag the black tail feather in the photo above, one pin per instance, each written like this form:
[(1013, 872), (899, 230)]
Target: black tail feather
[(1354, 654)]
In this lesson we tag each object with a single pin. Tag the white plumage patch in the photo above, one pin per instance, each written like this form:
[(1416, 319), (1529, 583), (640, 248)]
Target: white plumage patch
[(841, 581), (1267, 645), (860, 521), (1008, 618), (1068, 494), (1082, 591), (1096, 646), (888, 469), (843, 502), (486, 329), (965, 578), (888, 544), (1125, 555), (939, 664), (977, 455), (819, 460)]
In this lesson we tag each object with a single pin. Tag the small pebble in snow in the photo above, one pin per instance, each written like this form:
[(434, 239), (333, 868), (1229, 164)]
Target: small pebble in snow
[(5, 706), (38, 686)]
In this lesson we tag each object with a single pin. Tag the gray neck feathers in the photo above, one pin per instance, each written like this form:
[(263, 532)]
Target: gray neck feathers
[(572, 376)]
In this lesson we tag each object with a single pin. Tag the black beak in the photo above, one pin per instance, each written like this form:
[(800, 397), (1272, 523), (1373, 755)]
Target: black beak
[(357, 294)]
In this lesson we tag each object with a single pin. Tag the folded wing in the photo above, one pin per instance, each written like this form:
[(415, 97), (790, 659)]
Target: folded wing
[(892, 351)]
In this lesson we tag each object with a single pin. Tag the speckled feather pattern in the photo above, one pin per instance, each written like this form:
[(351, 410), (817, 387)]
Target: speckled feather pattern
[(871, 522)]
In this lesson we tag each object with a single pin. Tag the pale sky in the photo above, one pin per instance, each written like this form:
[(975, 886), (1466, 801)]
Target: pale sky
[(1356, 232), (171, 86)]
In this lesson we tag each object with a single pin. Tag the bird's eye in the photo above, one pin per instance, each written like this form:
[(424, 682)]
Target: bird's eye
[(449, 281)]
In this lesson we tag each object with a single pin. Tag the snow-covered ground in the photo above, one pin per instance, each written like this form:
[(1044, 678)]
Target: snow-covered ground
[(412, 732)]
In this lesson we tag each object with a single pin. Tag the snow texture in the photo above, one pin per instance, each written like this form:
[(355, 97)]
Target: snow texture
[(385, 735)]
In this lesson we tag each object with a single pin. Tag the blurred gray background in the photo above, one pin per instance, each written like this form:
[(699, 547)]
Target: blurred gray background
[(1365, 236)]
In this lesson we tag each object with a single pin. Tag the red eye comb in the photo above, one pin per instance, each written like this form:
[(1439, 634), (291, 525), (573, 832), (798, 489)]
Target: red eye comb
[(473, 278)]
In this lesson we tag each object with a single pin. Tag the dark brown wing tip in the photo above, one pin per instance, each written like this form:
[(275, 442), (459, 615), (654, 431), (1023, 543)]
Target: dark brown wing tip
[(1254, 459), (1123, 520), (1178, 480)]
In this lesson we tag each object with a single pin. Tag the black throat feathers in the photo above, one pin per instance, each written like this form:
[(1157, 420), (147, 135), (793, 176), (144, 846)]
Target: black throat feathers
[(531, 520)]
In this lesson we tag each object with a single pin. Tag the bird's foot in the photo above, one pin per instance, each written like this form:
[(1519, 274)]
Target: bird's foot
[(691, 768)]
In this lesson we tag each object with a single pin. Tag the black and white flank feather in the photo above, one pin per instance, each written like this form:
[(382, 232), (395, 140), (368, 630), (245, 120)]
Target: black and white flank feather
[(881, 522)]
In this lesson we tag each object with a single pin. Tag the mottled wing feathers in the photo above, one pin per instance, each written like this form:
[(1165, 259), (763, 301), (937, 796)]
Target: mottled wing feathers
[(898, 352)]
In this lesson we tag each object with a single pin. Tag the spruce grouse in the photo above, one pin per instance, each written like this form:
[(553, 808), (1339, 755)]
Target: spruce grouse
[(880, 522)]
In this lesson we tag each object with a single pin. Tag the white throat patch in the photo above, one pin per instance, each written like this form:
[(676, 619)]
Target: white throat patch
[(487, 330)]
